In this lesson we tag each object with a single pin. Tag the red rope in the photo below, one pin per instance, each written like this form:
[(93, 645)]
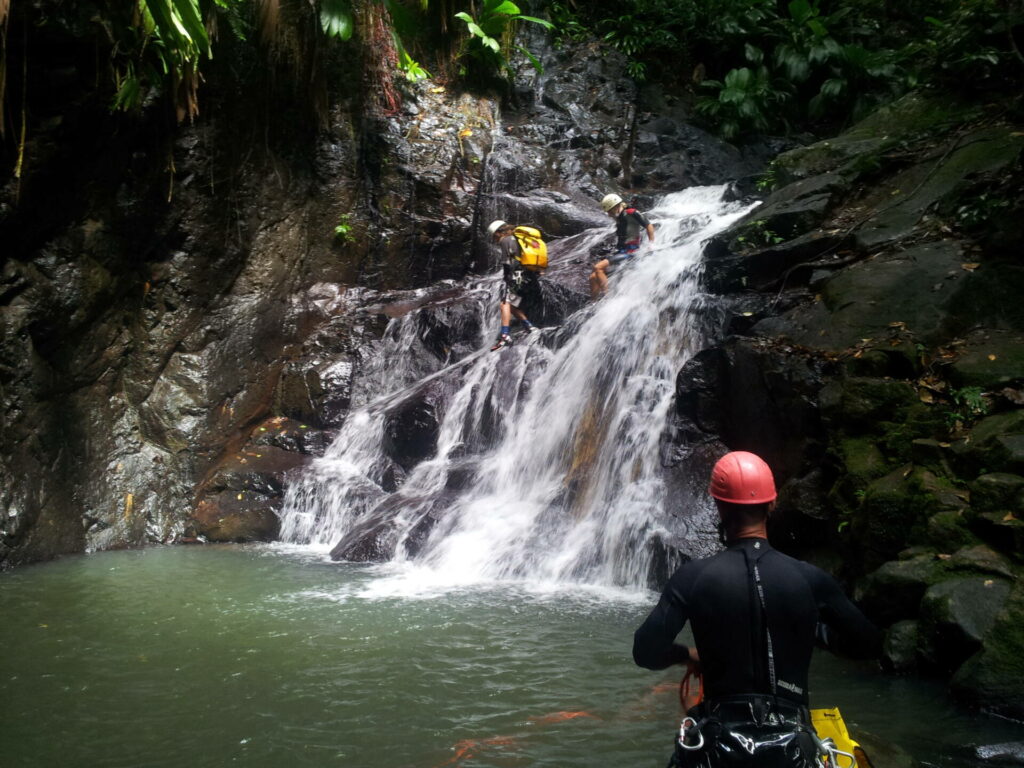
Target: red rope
[(687, 698)]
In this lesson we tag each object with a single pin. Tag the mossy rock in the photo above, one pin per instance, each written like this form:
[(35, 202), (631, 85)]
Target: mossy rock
[(948, 531), (858, 404), (852, 150), (955, 615), (994, 677), (863, 460), (997, 490), (994, 444), (893, 592), (937, 180), (989, 359), (896, 507)]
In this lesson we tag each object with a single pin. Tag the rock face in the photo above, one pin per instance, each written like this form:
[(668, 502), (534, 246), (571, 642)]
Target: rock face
[(881, 377), (169, 295)]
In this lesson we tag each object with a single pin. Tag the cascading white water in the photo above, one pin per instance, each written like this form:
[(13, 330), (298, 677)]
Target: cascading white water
[(572, 488)]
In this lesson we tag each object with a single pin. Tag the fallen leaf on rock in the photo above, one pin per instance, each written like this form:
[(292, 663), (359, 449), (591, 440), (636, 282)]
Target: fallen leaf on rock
[(1009, 517), (970, 266), (991, 357)]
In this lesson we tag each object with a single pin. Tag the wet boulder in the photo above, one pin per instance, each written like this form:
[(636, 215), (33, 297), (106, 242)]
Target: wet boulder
[(994, 444), (916, 289), (993, 678), (1008, 753), (989, 359), (241, 498), (397, 521), (228, 516), (410, 433), (899, 650), (997, 490), (893, 592), (955, 616), (982, 560)]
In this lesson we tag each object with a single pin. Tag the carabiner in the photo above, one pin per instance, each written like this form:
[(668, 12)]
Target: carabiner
[(689, 722)]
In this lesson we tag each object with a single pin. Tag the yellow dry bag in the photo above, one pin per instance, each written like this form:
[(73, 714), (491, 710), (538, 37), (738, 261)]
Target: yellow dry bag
[(828, 724), (533, 252)]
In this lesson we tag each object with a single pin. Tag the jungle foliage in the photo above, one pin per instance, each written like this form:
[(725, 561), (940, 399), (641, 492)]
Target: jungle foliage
[(155, 49), (778, 65), (753, 66)]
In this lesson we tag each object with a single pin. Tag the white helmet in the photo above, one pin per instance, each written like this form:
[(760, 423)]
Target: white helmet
[(494, 227), (610, 201)]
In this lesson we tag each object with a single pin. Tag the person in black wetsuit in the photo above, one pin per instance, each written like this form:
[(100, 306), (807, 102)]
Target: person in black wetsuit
[(756, 615), (630, 226)]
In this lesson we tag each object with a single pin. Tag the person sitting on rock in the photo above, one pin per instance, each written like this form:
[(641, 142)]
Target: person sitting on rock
[(519, 284), (630, 225)]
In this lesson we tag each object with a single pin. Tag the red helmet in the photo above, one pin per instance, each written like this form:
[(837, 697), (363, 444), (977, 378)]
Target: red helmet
[(742, 478)]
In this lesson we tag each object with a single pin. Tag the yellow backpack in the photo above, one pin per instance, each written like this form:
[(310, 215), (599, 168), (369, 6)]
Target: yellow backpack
[(533, 252)]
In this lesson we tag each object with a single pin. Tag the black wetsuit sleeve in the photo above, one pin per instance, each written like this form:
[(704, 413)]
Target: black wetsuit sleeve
[(844, 629), (654, 645)]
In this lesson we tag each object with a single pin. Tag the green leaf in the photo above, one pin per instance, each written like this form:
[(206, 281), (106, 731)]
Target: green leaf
[(800, 11), (543, 22), (188, 12), (336, 18), (738, 78), (817, 27), (753, 54), (507, 8), (833, 87), (534, 61)]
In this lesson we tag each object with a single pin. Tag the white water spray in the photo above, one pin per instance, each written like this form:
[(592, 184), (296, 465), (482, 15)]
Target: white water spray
[(571, 490)]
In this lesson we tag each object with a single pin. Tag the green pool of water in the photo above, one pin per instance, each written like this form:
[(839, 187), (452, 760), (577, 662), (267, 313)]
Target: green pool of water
[(259, 656)]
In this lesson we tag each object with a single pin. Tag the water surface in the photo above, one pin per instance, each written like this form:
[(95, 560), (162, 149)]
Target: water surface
[(262, 656)]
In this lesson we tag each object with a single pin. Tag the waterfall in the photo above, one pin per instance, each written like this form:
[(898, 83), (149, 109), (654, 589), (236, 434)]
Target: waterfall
[(547, 455)]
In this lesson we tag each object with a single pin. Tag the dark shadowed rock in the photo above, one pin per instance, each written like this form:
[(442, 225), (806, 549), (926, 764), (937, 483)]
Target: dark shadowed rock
[(955, 616), (994, 677), (917, 288), (894, 591), (899, 652)]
